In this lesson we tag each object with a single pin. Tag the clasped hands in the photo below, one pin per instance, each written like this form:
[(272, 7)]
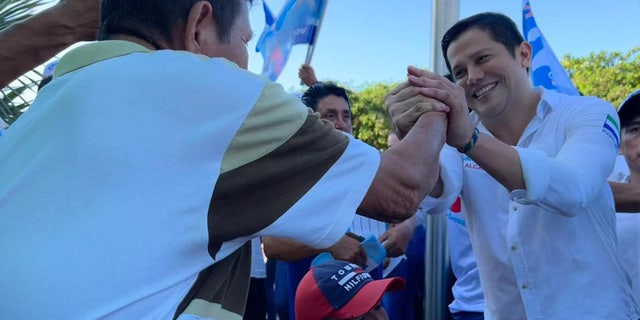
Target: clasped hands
[(425, 92)]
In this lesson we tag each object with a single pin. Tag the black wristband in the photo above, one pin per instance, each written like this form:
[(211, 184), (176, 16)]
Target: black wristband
[(471, 143)]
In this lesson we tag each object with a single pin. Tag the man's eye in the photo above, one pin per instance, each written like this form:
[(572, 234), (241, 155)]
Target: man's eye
[(458, 75)]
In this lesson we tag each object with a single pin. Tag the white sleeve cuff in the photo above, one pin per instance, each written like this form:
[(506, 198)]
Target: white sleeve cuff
[(536, 171)]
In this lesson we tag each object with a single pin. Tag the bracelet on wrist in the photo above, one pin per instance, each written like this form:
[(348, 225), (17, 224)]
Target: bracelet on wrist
[(474, 139)]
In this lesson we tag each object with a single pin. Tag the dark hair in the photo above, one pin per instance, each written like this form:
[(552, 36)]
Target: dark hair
[(160, 21), (499, 27), (321, 90)]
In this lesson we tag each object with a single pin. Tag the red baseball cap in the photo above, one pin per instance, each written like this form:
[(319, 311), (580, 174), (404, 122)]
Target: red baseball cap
[(340, 289)]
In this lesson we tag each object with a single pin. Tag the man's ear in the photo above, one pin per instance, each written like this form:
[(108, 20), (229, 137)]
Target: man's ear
[(199, 27), (523, 52)]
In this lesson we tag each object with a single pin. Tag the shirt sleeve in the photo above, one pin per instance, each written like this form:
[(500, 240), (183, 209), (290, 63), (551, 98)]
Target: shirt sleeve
[(567, 181), (289, 174), (322, 216), (451, 175)]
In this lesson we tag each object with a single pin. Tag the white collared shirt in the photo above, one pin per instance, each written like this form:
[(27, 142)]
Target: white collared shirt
[(549, 252)]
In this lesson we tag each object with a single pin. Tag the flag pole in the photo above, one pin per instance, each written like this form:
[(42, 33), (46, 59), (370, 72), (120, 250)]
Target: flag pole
[(444, 14), (312, 46)]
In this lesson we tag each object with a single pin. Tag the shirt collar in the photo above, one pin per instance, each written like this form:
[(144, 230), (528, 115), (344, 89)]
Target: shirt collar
[(548, 99), (95, 52)]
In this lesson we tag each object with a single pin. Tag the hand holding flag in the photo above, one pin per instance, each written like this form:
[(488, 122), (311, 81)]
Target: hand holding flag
[(297, 23)]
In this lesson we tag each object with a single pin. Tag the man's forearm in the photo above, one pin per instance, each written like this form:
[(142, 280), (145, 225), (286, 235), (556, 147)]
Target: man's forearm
[(627, 197), (408, 171), (29, 43), (287, 250)]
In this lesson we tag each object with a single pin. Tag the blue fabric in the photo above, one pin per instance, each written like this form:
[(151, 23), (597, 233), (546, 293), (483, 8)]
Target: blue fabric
[(269, 287), (296, 24), (408, 303), (282, 291), (465, 315), (546, 70), (295, 271)]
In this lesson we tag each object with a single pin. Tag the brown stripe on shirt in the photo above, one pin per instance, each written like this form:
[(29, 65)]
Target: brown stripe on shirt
[(224, 284), (253, 196)]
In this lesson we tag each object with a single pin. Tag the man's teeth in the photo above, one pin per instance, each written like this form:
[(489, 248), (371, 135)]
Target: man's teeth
[(485, 90)]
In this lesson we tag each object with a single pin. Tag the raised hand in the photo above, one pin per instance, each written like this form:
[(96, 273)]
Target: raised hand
[(349, 249), (405, 104), (397, 238), (459, 129), (307, 75)]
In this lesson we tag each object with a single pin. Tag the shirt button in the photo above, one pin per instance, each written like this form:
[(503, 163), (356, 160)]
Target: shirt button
[(515, 208), (514, 248), (525, 286)]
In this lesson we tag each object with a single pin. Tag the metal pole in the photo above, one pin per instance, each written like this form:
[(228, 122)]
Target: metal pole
[(444, 14)]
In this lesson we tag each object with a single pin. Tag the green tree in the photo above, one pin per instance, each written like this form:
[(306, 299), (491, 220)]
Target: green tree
[(16, 97), (609, 75), (370, 121)]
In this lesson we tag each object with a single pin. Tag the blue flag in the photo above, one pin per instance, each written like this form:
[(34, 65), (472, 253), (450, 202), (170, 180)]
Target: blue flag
[(546, 70), (296, 24)]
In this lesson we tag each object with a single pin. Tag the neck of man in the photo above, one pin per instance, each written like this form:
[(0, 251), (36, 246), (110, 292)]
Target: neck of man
[(509, 126)]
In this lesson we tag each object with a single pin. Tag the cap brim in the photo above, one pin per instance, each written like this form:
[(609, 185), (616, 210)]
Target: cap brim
[(367, 297), (629, 108)]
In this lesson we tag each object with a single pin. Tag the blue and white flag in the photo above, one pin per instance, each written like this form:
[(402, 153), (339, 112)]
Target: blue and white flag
[(296, 24), (546, 70)]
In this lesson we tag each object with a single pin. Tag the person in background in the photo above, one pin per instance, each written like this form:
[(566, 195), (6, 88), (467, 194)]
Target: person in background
[(331, 102), (339, 290), (626, 190), (468, 299)]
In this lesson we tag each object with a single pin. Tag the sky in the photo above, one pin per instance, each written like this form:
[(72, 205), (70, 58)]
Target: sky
[(366, 41)]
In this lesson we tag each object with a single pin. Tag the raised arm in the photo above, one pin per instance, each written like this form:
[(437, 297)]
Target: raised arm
[(545, 178), (347, 249), (407, 172), (31, 42), (307, 75)]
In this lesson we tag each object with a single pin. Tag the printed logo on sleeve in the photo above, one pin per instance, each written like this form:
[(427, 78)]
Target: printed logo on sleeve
[(612, 130)]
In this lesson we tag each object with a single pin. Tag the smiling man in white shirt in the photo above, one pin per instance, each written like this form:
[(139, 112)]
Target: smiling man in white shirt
[(533, 165)]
